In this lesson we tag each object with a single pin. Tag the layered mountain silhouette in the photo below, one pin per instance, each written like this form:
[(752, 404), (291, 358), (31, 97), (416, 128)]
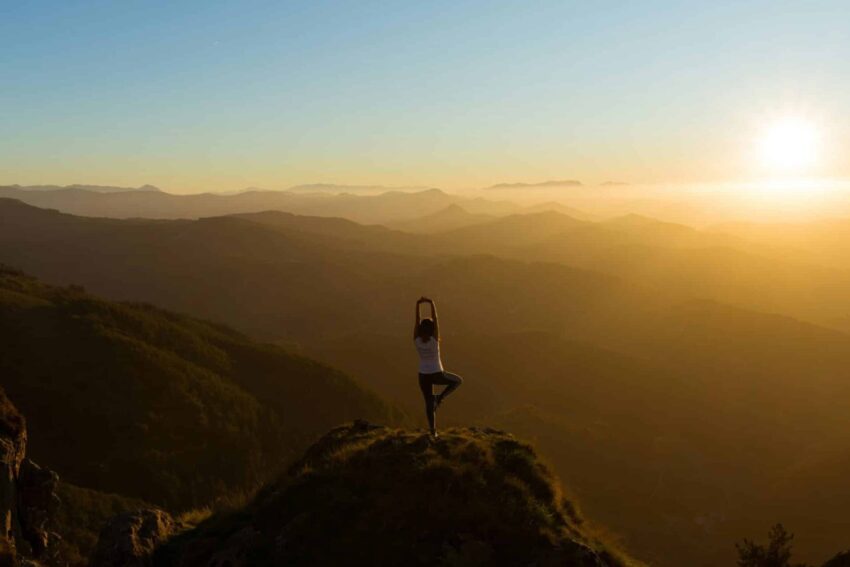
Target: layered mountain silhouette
[(386, 207), (671, 257), (826, 241), (452, 217), (674, 415)]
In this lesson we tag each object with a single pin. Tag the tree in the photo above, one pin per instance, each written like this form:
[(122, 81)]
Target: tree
[(777, 553)]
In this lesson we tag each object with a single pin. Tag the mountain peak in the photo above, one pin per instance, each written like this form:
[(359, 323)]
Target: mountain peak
[(395, 497)]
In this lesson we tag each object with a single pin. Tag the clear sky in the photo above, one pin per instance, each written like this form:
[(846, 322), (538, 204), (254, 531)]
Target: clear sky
[(209, 95)]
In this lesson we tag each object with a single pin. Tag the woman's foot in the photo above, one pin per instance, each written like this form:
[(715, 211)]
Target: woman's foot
[(438, 399), (435, 435)]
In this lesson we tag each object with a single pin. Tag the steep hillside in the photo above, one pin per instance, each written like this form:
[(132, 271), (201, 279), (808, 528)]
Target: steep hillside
[(370, 495), (130, 399)]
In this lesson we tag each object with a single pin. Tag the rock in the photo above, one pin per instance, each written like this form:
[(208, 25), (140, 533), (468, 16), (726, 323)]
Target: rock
[(129, 540), (28, 499), (38, 504), (13, 443)]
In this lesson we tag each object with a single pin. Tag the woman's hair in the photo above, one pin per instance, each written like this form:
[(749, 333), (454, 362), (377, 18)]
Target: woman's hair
[(426, 329)]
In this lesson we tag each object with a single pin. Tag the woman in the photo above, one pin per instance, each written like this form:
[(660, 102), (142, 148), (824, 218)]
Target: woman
[(426, 337)]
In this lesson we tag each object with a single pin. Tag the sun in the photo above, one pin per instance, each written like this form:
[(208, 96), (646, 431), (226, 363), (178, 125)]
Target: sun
[(789, 145)]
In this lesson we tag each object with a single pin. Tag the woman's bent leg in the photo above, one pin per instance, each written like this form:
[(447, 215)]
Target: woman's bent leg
[(452, 382)]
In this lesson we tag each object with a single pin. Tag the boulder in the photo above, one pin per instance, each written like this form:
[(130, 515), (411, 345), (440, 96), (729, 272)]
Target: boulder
[(129, 540)]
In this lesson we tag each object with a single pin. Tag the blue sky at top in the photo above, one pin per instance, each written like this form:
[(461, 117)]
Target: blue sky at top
[(216, 95)]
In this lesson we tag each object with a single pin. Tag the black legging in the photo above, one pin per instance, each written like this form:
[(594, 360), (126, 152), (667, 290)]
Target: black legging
[(427, 382)]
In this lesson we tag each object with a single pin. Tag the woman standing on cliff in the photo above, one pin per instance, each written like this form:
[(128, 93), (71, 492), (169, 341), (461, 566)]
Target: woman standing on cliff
[(426, 338)]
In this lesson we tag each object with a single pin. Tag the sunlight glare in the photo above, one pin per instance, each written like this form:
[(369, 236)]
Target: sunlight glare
[(789, 145)]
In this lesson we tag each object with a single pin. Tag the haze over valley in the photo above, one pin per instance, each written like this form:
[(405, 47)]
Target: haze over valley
[(581, 327)]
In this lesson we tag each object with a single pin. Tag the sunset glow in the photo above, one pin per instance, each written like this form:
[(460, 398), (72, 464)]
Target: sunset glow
[(789, 145)]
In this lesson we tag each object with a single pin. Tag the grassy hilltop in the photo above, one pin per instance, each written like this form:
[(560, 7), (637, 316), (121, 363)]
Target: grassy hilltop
[(372, 495)]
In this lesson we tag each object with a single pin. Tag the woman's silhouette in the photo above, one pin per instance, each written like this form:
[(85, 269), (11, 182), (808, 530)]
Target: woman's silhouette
[(426, 337)]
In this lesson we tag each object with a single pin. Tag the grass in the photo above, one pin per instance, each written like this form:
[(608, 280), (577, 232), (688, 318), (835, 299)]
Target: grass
[(380, 495)]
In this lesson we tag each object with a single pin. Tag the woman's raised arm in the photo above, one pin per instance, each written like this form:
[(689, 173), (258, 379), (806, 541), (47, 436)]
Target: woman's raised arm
[(434, 317), (416, 317)]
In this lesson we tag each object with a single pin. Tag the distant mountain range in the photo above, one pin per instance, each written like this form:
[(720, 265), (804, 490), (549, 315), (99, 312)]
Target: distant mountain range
[(334, 188), (388, 207), (92, 188), (429, 210), (540, 185)]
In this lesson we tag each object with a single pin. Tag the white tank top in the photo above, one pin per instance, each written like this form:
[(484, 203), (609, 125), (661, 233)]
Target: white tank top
[(429, 355)]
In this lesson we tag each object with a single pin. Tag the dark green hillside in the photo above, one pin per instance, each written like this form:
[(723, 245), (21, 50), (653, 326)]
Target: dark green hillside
[(130, 399), (370, 495)]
